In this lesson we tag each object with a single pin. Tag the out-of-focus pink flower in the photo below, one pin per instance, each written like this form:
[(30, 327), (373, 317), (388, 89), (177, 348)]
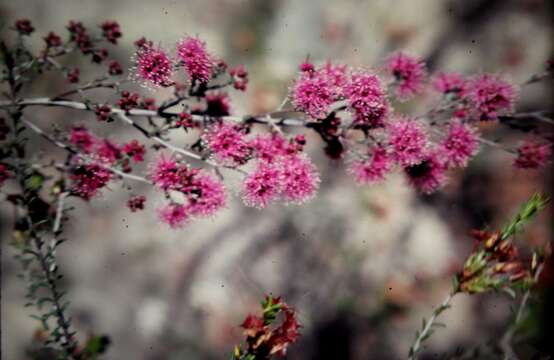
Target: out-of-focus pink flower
[(198, 63), (490, 96), (533, 155), (262, 186), (299, 179), (428, 175), (409, 73), (408, 141), (371, 170), (5, 174), (228, 143), (174, 215), (460, 144), (367, 98), (449, 83), (153, 66)]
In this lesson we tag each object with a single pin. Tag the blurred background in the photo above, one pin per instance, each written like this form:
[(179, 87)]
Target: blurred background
[(362, 265)]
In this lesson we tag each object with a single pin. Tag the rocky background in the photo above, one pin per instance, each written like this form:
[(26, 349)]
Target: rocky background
[(361, 265)]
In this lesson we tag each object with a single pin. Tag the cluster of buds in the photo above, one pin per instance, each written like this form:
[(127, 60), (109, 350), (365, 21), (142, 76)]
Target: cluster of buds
[(264, 338), (494, 265)]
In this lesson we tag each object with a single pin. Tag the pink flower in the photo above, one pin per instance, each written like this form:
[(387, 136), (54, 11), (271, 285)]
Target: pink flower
[(490, 96), (460, 144), (449, 83), (269, 147), (107, 152), (409, 73), (87, 179), (428, 175), (166, 173), (135, 150), (408, 141), (228, 144), (313, 94), (368, 100), (82, 139), (337, 77), (262, 186), (533, 155), (153, 66), (198, 63), (174, 215), (372, 170), (136, 203), (206, 195), (299, 179)]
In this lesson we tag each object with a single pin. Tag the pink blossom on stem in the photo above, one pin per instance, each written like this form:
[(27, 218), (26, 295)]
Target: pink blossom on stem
[(449, 83), (408, 141), (409, 73), (371, 170), (134, 150), (88, 179), (367, 98), (428, 175), (175, 215), (490, 96), (153, 66), (261, 186), (533, 155), (198, 63), (299, 179), (82, 139), (228, 143), (337, 77), (107, 151), (460, 144)]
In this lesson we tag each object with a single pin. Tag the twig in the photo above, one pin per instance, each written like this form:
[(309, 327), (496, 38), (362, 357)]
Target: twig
[(427, 329)]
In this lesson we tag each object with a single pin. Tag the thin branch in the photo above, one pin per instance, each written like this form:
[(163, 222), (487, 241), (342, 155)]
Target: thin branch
[(427, 329), (87, 159)]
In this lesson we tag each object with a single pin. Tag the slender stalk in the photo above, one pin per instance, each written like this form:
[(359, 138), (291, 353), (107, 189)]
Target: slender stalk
[(428, 327)]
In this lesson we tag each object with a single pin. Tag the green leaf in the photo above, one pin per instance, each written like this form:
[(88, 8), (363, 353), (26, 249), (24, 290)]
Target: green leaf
[(535, 203)]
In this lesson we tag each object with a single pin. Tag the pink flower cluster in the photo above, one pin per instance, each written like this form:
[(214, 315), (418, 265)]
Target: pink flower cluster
[(490, 96), (450, 83), (281, 172), (409, 74), (409, 147), (91, 174), (204, 194), (367, 99), (374, 169), (198, 62), (154, 66), (227, 141)]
